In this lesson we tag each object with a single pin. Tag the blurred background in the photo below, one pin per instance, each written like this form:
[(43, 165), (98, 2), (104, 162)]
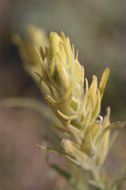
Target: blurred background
[(98, 30)]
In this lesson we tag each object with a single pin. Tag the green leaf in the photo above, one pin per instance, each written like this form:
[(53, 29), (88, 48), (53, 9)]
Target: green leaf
[(72, 181), (61, 171)]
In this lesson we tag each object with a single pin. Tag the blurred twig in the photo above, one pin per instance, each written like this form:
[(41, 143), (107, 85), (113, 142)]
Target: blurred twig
[(27, 103)]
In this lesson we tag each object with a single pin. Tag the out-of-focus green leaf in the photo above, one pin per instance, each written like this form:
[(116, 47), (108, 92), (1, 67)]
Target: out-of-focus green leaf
[(66, 175), (61, 171)]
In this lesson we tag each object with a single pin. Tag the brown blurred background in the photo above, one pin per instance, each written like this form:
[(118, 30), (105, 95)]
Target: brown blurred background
[(98, 30)]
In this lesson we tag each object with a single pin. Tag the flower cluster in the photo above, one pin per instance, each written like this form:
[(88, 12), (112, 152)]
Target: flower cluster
[(76, 104)]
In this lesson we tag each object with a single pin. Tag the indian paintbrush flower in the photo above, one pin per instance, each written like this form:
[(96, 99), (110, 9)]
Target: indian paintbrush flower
[(76, 104)]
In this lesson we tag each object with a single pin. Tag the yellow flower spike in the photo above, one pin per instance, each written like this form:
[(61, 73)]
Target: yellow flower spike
[(76, 104)]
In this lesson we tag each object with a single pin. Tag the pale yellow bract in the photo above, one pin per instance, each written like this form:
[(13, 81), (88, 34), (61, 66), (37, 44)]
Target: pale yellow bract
[(76, 104)]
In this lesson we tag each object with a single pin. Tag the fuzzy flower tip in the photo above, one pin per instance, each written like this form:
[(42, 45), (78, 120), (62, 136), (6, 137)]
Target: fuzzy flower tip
[(34, 38), (76, 104)]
